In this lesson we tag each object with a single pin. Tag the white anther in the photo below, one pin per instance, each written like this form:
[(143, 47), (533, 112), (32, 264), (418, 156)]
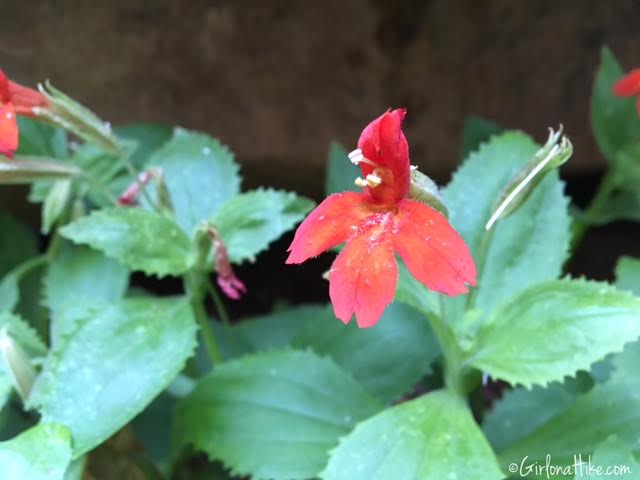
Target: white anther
[(357, 158), (356, 155)]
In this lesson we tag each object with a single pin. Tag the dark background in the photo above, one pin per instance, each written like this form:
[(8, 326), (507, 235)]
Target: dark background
[(276, 80)]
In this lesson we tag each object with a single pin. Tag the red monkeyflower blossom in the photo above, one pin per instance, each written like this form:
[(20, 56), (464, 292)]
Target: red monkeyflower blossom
[(629, 86), (15, 100), (377, 223)]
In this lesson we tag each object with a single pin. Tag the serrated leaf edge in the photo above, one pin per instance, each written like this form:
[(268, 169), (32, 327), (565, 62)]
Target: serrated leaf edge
[(237, 470), (582, 367)]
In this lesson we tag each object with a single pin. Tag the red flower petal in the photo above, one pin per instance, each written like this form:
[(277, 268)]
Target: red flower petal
[(383, 142), (5, 95), (433, 251), (8, 130), (331, 223), (363, 277), (25, 99), (628, 85)]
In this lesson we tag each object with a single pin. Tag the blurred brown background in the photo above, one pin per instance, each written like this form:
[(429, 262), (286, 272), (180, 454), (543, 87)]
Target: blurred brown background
[(277, 79)]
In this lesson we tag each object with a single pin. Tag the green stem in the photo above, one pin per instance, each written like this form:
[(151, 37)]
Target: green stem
[(599, 201), (29, 265), (454, 374), (101, 187), (219, 304), (193, 283), (481, 259)]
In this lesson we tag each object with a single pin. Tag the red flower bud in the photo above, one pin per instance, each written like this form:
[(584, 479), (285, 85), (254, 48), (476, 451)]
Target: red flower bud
[(15, 100)]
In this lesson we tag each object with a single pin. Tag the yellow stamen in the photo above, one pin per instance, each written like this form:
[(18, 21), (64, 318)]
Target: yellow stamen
[(373, 180), (361, 182)]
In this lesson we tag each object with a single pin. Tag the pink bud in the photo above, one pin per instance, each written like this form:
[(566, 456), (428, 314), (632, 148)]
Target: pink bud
[(227, 280), (129, 197)]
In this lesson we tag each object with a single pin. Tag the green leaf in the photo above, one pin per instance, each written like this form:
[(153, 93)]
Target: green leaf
[(628, 274), (614, 120), (626, 363), (22, 332), (538, 230), (521, 411), (118, 359), (28, 276), (249, 222), (200, 174), (81, 275), (17, 243), (341, 173), (275, 330), (627, 168), (620, 206), (40, 139), (287, 408), (387, 360), (41, 453), (75, 471), (92, 162), (610, 408), (6, 386), (410, 291), (9, 292), (55, 204), (615, 455), (109, 168), (140, 239), (431, 438), (476, 131), (555, 329), (153, 430), (148, 137)]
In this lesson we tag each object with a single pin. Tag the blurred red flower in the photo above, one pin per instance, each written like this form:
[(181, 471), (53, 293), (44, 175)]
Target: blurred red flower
[(15, 100), (629, 86), (377, 223)]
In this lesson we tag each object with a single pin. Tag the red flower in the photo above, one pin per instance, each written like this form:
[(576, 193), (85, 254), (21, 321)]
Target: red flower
[(377, 223), (15, 99), (629, 86)]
